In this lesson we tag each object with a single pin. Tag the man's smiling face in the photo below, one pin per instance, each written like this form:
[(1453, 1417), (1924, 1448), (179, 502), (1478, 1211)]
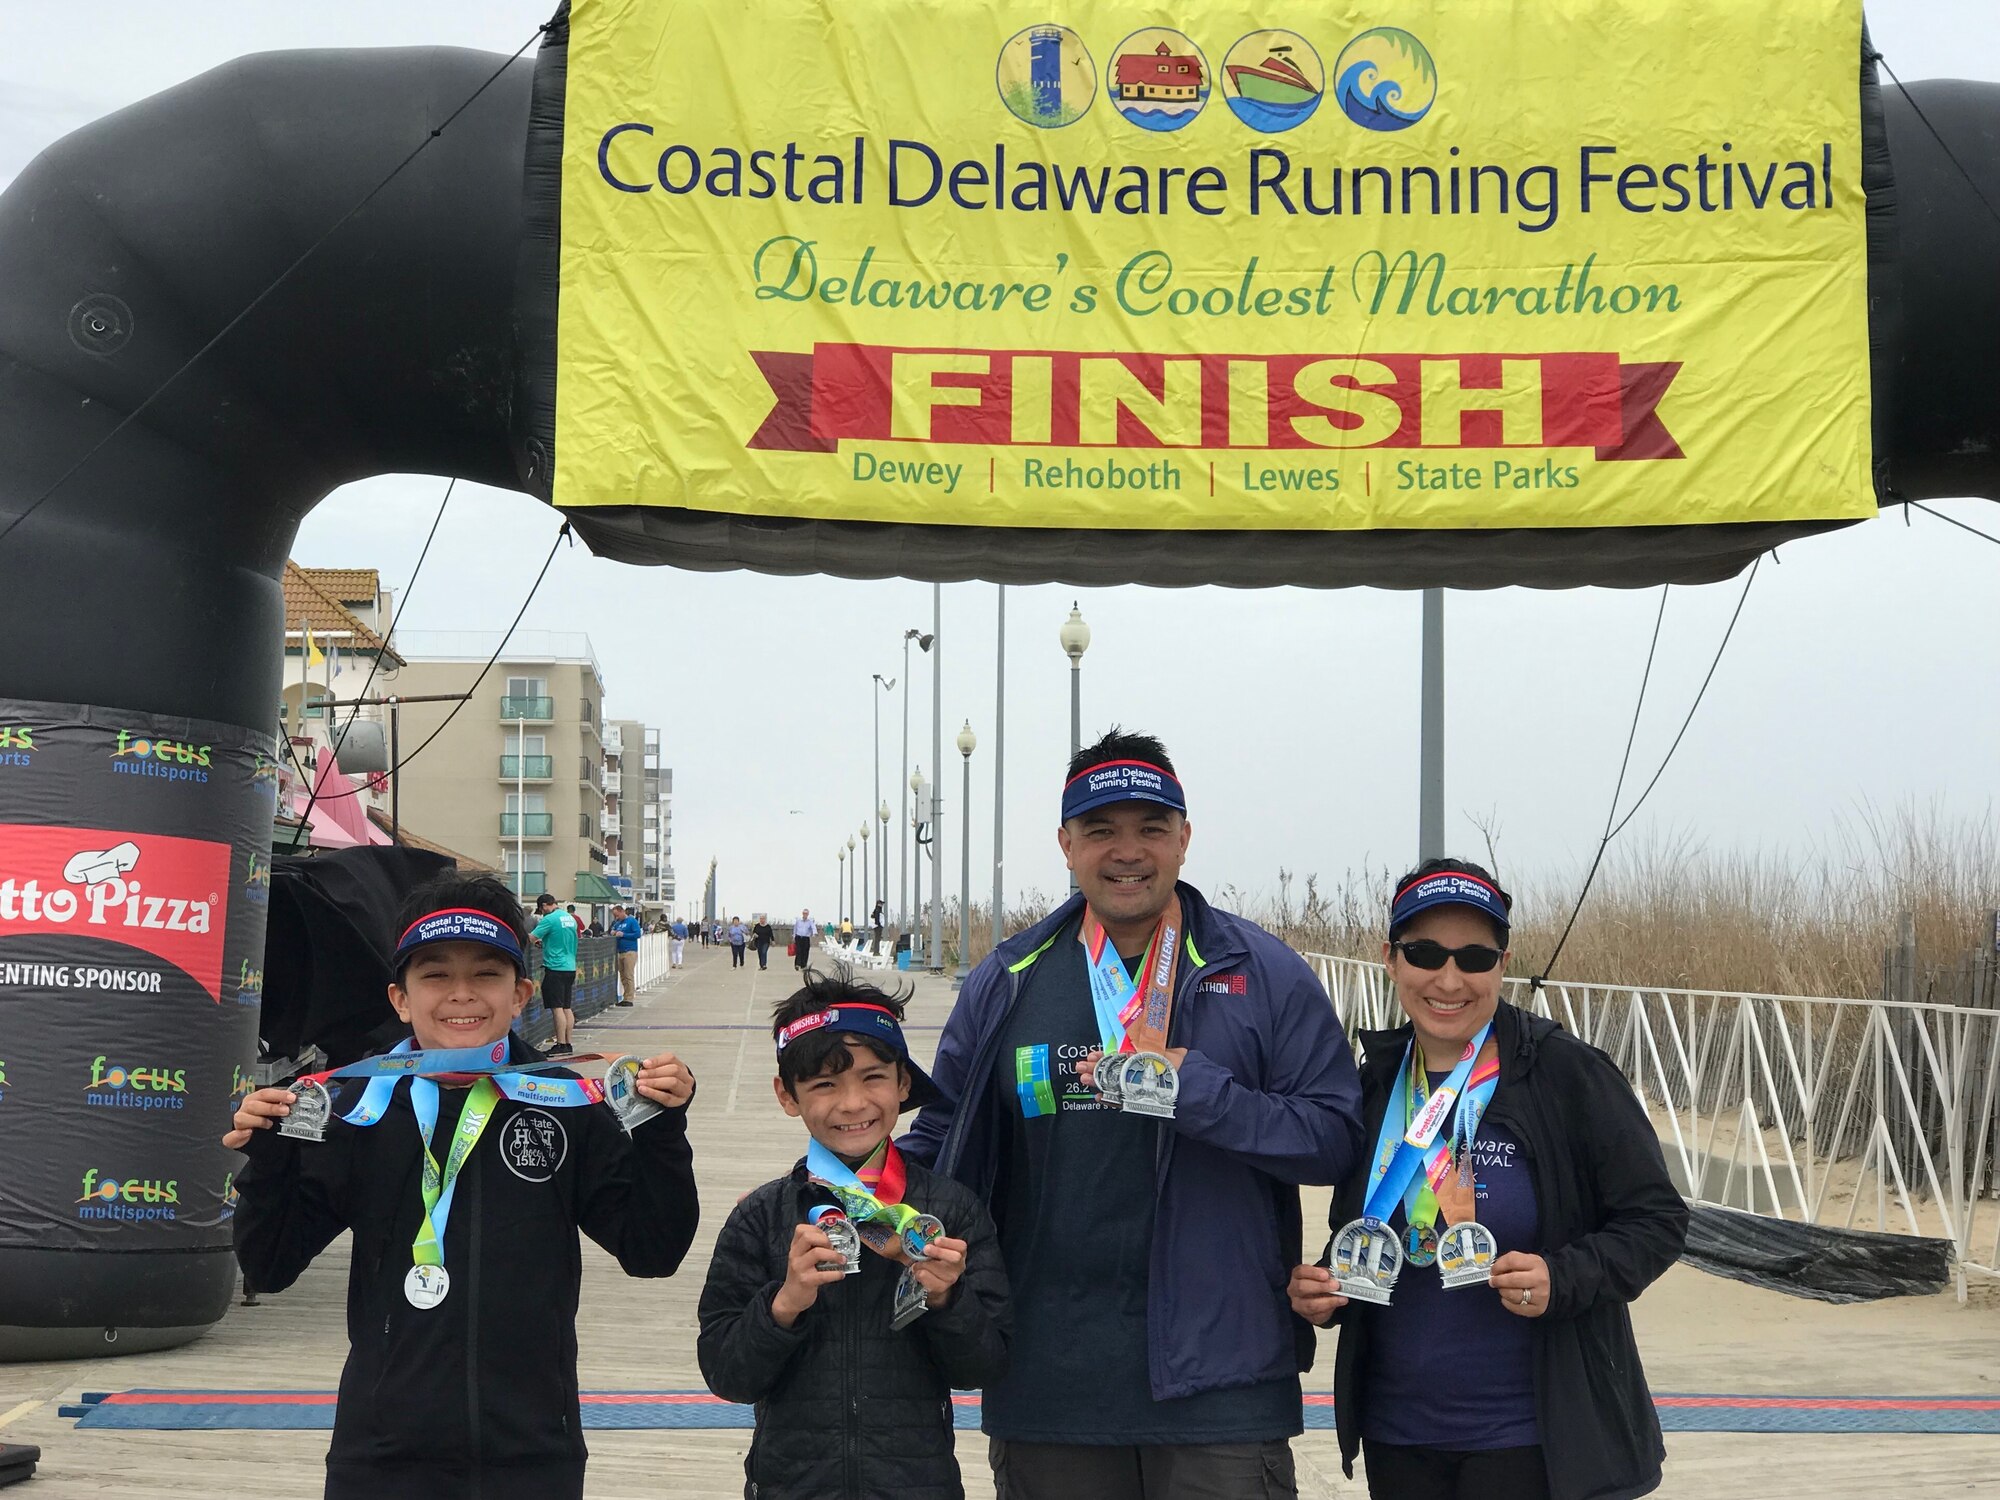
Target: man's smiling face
[(1126, 857)]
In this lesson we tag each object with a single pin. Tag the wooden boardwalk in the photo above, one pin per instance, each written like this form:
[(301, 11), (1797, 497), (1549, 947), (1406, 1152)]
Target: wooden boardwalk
[(1698, 1334)]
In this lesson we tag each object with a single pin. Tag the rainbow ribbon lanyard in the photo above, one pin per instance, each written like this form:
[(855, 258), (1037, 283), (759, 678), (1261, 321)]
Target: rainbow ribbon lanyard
[(510, 1079), (1403, 1145), (1447, 1153), (440, 1185), (1120, 1004), (882, 1205)]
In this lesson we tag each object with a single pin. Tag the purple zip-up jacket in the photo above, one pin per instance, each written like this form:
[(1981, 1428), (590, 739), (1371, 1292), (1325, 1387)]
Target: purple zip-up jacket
[(1269, 1100)]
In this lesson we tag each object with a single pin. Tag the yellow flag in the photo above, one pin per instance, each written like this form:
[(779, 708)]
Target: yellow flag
[(314, 656)]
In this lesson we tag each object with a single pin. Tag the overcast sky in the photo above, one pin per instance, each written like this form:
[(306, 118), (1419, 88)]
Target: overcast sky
[(1862, 670)]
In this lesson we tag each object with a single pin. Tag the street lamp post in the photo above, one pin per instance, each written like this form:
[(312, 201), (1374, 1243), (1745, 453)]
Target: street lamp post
[(1075, 638), (935, 952), (839, 884), (914, 926), (903, 894), (967, 743), (882, 685), (865, 908), (851, 863), (882, 816)]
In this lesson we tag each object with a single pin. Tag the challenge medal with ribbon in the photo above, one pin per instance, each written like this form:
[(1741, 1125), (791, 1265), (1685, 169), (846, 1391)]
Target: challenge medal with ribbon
[(841, 1234), (428, 1283), (1134, 1072), (518, 1081), (312, 1112), (621, 1092), (1367, 1254), (872, 1199)]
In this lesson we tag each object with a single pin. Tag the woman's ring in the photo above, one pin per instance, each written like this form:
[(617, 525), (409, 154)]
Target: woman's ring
[(1526, 1296)]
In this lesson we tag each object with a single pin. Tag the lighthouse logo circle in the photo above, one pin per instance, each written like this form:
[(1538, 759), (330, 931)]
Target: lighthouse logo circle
[(1385, 80), (1046, 76)]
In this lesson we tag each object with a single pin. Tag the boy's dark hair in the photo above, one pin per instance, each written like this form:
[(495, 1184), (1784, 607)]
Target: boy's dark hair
[(1460, 866), (1118, 745), (476, 892), (820, 1052)]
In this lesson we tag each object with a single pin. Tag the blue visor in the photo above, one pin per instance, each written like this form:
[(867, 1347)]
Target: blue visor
[(878, 1024), (1449, 888), (458, 924), (1121, 781)]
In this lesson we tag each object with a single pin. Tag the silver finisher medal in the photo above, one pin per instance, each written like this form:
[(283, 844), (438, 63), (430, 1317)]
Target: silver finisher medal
[(919, 1233), (1148, 1085), (1367, 1259), (1110, 1067), (311, 1112), (911, 1303), (621, 1092), (426, 1286), (1466, 1253), (846, 1241)]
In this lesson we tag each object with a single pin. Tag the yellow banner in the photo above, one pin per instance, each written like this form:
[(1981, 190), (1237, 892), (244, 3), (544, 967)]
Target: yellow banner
[(1440, 265)]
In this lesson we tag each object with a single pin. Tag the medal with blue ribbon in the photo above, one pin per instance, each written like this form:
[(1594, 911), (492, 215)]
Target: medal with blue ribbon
[(428, 1283), (1133, 1017), (875, 1208), (512, 1080)]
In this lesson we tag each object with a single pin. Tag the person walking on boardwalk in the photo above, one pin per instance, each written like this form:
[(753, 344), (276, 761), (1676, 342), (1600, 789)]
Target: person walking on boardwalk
[(763, 937), (802, 938), (677, 939), (1499, 1361), (1147, 1231), (738, 936)]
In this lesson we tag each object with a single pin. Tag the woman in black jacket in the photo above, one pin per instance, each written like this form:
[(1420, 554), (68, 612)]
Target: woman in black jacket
[(1527, 1384)]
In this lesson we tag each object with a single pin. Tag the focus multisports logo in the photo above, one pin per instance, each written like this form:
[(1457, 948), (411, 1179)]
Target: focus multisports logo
[(168, 760), (16, 740), (114, 1086), (129, 1199)]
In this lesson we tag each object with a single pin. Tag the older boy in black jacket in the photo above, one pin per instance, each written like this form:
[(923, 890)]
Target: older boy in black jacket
[(853, 1396), (471, 1393)]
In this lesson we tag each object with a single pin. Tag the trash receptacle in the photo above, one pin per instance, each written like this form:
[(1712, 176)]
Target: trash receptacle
[(903, 959)]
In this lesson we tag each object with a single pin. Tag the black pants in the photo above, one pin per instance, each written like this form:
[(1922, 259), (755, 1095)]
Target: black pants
[(1399, 1473), (1188, 1471), (801, 951), (735, 955)]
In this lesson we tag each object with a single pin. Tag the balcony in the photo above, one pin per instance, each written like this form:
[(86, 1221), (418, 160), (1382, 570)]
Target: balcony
[(534, 825), (614, 782), (534, 883), (527, 767), (529, 710)]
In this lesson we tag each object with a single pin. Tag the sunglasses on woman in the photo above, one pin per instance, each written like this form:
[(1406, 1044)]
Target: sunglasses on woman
[(1473, 958)]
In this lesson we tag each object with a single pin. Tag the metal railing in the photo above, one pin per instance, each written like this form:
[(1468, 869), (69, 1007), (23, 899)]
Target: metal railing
[(539, 825), (527, 767), (527, 708), (1852, 1114)]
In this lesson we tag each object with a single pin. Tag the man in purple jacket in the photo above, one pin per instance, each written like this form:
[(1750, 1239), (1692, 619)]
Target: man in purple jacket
[(1155, 1356)]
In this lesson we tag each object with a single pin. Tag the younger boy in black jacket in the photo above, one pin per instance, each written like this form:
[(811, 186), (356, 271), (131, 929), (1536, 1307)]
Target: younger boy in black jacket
[(852, 1374), (462, 1289)]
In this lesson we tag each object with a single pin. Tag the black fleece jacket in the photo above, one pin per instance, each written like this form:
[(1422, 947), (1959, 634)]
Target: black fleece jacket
[(847, 1408), (476, 1398), (1609, 1223)]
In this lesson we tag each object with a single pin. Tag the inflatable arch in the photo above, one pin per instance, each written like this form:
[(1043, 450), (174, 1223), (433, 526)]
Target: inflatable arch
[(142, 572)]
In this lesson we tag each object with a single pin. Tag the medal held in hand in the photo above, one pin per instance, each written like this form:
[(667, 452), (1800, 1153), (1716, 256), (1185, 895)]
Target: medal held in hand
[(918, 1234), (1412, 1152), (1465, 1254), (1132, 1019), (911, 1303), (312, 1111), (1367, 1259), (621, 1092), (841, 1234)]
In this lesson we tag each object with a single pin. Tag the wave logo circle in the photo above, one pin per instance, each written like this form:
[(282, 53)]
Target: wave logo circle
[(1046, 76), (1385, 80)]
